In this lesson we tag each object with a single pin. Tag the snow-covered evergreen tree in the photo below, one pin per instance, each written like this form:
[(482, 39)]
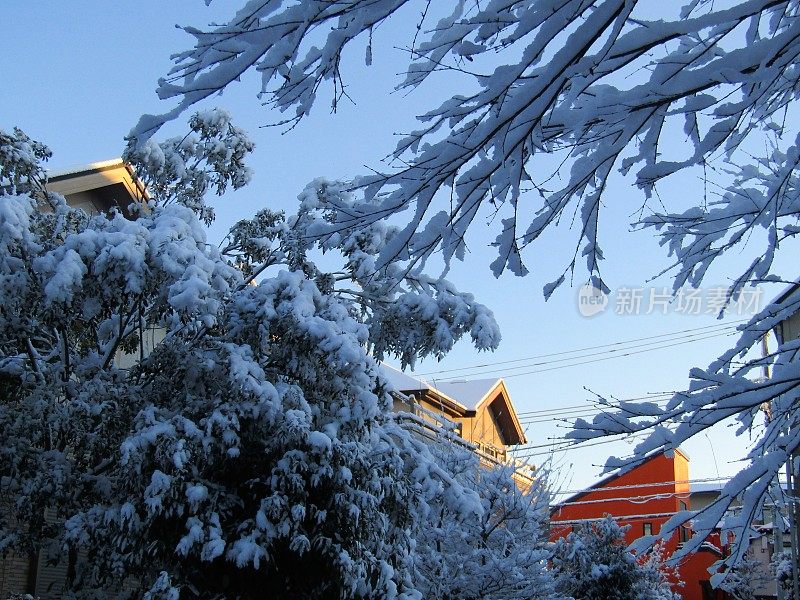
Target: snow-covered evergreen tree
[(593, 563), (782, 568), (558, 96), (745, 578), (500, 554), (249, 453)]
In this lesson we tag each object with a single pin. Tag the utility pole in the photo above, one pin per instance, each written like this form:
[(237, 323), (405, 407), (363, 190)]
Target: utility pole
[(777, 530), (791, 475), (791, 493), (777, 519)]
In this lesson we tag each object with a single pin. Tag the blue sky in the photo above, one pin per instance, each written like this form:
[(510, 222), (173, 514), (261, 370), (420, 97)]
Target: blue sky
[(78, 79)]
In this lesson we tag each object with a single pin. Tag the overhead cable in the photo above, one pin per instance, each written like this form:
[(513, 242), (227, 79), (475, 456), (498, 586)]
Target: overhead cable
[(697, 330)]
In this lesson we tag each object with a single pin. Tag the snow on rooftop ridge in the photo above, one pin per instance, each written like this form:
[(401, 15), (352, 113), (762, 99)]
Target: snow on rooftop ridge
[(401, 382), (467, 397), (695, 488), (470, 393), (94, 166)]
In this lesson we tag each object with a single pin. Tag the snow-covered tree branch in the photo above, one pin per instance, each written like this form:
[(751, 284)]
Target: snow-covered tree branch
[(599, 84), (729, 389)]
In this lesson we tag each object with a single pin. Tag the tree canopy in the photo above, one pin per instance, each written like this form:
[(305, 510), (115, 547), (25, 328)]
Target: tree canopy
[(180, 429), (593, 563)]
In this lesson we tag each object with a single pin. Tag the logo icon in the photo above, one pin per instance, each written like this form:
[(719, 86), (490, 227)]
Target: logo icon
[(591, 300)]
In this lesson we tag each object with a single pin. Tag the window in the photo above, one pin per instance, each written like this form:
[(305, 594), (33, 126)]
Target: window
[(708, 591), (683, 534), (647, 529)]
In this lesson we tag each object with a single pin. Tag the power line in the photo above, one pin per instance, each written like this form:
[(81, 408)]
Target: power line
[(571, 415), (572, 442), (641, 499), (583, 406), (586, 362), (594, 358), (696, 331), (569, 442), (557, 522), (567, 446), (643, 485), (694, 337), (587, 348)]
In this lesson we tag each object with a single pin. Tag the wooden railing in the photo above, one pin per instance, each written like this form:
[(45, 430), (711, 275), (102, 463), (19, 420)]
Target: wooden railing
[(437, 428)]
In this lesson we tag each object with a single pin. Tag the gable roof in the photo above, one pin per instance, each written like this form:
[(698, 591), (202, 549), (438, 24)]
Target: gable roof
[(622, 471), (469, 393), (492, 395), (465, 398)]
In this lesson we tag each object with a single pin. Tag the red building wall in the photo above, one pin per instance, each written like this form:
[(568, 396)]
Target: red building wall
[(645, 498)]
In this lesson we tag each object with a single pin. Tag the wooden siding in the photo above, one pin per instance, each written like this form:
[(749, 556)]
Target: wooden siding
[(14, 570)]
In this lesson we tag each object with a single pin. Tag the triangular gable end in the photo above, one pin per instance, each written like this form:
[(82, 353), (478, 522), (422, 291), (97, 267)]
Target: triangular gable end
[(492, 396), (628, 476), (498, 401)]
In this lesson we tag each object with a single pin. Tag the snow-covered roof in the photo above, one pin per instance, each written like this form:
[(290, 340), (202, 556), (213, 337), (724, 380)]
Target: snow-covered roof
[(469, 393), (707, 546), (696, 488), (79, 169), (790, 289), (465, 397), (402, 382), (108, 183)]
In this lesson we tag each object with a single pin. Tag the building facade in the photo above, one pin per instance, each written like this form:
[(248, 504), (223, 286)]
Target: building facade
[(644, 498), (95, 188), (480, 412)]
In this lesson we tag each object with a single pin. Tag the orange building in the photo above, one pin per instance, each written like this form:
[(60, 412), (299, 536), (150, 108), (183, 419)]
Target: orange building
[(644, 498)]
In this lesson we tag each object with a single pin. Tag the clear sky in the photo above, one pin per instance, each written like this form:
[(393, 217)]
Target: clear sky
[(78, 75)]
